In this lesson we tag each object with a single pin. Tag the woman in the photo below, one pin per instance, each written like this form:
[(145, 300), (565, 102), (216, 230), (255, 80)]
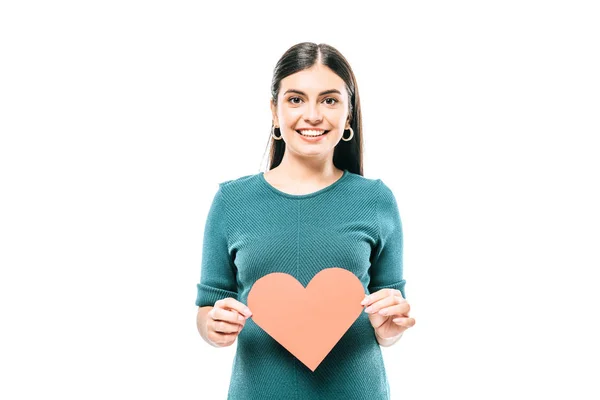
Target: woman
[(311, 210)]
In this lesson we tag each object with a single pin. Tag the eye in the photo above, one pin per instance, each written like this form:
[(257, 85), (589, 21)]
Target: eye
[(292, 100)]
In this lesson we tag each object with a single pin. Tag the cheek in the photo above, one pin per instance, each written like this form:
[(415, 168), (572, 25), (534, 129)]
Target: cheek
[(337, 116), (290, 116)]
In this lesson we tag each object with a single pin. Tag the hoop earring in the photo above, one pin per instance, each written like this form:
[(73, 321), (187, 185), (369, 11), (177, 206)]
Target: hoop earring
[(351, 135), (273, 133)]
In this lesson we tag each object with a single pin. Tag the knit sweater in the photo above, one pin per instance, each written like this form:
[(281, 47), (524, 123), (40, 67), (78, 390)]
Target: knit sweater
[(253, 229)]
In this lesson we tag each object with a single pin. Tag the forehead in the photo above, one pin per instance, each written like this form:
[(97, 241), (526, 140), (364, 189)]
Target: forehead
[(313, 80)]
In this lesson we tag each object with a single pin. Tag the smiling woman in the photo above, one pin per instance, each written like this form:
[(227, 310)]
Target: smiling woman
[(310, 211)]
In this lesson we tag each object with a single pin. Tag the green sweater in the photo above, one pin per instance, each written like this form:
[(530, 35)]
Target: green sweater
[(253, 229)]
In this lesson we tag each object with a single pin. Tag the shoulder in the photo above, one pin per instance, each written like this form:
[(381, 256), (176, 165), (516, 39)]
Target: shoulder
[(387, 205), (386, 194), (234, 183), (242, 188), (372, 188), (362, 184)]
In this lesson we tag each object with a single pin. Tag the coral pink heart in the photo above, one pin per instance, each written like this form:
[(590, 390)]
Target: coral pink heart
[(309, 321)]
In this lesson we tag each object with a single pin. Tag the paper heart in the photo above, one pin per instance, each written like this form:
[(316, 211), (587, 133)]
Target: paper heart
[(309, 321)]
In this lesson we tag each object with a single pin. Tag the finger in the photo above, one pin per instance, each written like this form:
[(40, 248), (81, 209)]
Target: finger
[(231, 316), (224, 327), (405, 322), (383, 303), (399, 310), (233, 304), (380, 294)]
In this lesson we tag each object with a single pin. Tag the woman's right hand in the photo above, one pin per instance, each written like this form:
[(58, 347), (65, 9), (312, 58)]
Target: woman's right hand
[(225, 321)]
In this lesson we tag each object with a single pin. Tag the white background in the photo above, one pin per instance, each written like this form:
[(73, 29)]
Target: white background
[(119, 118)]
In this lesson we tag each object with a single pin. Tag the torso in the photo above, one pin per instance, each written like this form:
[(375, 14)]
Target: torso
[(270, 232)]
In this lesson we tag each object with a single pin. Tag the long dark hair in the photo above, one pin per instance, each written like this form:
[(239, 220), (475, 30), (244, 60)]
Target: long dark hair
[(347, 154)]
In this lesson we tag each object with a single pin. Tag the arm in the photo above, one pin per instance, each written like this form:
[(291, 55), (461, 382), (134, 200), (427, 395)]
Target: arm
[(386, 263), (218, 271)]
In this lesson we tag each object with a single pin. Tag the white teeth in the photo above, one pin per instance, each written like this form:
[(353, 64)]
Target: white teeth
[(309, 132)]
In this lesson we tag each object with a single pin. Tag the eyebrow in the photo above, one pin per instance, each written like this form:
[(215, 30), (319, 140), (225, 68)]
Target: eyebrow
[(320, 94)]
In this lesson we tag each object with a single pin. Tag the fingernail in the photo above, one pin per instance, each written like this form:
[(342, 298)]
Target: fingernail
[(247, 311), (365, 300), (241, 318), (368, 309)]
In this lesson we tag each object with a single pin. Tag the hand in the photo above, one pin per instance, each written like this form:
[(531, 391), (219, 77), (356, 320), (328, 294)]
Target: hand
[(388, 313), (225, 321)]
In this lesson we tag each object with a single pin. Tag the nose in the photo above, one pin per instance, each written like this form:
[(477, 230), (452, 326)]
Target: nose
[(313, 114)]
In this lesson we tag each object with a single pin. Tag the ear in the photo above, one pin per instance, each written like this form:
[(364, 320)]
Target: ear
[(273, 112)]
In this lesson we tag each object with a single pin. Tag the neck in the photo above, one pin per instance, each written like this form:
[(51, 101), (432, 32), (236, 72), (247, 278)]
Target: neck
[(301, 170)]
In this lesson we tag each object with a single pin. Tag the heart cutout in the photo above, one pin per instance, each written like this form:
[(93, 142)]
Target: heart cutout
[(309, 321)]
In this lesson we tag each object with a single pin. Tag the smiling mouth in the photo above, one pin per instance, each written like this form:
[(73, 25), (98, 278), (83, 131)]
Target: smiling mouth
[(309, 133)]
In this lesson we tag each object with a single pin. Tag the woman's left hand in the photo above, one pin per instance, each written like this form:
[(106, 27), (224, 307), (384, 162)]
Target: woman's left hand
[(388, 313)]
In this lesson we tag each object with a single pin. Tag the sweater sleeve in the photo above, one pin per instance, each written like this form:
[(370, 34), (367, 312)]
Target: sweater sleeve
[(217, 271), (386, 263)]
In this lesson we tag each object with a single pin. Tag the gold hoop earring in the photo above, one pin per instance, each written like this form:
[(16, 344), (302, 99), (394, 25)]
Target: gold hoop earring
[(351, 135), (273, 133)]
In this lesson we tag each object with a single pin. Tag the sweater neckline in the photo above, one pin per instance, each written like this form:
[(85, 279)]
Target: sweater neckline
[(302, 196)]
